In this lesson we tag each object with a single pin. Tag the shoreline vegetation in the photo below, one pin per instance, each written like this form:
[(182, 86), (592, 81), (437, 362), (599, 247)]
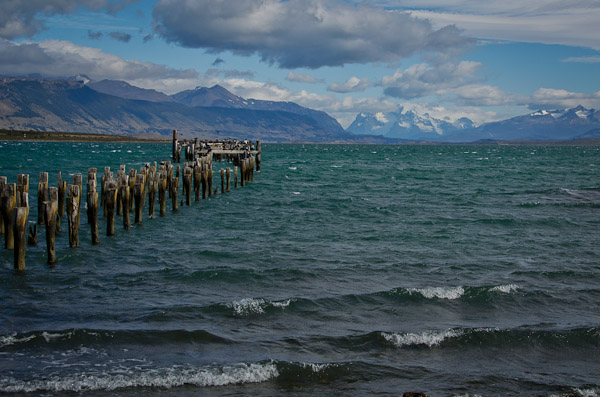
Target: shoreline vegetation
[(43, 136), (53, 136)]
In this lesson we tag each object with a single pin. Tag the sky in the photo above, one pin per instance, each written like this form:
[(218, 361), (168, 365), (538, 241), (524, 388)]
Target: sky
[(449, 58)]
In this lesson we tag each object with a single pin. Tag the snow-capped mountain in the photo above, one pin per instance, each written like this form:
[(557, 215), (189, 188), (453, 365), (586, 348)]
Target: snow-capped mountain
[(406, 124), (542, 124)]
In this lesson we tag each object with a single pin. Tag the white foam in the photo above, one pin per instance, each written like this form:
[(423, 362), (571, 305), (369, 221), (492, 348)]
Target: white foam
[(161, 378), (282, 304), (428, 338), (6, 340), (248, 306), (507, 288), (439, 292), (292, 168), (317, 367)]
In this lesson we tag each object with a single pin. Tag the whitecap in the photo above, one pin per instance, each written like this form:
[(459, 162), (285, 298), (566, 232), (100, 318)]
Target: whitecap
[(165, 378), (439, 292), (296, 193), (428, 338), (6, 340), (506, 288), (292, 168), (248, 306)]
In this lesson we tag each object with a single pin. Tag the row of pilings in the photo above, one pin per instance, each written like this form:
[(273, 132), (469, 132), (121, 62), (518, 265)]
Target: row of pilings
[(121, 195)]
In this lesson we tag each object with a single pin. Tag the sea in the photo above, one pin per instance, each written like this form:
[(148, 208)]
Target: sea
[(340, 270)]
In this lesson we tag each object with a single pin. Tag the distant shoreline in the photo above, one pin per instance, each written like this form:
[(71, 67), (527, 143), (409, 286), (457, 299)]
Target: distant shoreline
[(42, 136)]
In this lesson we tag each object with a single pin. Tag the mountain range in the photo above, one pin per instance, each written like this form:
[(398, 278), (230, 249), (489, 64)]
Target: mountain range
[(563, 124), (112, 107), (116, 107)]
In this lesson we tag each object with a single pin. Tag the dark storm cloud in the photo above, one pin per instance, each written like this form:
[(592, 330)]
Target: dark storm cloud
[(302, 33)]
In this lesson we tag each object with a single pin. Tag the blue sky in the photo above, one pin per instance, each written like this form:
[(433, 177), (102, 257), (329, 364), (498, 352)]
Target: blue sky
[(448, 58)]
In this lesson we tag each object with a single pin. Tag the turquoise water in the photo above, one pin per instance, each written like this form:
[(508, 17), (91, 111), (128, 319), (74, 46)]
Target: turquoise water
[(341, 270)]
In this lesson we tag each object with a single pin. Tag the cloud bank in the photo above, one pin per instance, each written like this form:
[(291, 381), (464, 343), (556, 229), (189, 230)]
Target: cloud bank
[(302, 33), (60, 59), (21, 17)]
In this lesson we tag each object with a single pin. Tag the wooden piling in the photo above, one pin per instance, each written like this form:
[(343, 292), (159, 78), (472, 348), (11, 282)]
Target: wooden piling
[(162, 193), (3, 180), (197, 180), (32, 238), (9, 202), (132, 179), (42, 196), (62, 193), (138, 190), (228, 176), (187, 184), (222, 180), (22, 187), (19, 226), (235, 176), (174, 189), (50, 217), (73, 214), (152, 189), (92, 186), (124, 195), (92, 211), (175, 146), (110, 198), (258, 155)]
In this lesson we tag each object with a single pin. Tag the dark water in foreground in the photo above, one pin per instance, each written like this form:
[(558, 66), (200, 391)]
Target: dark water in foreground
[(341, 270)]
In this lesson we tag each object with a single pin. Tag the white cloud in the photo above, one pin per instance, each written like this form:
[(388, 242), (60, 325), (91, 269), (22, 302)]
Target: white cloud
[(21, 17), (351, 85), (550, 98), (568, 22), (302, 33), (421, 80), (302, 78), (590, 59), (60, 59)]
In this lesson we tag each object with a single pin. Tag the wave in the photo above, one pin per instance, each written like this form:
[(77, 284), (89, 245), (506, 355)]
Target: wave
[(454, 292), (492, 337), (165, 378), (248, 306), (89, 336)]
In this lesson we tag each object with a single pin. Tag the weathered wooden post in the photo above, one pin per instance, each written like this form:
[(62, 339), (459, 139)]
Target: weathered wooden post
[(103, 182), (32, 236), (258, 155), (19, 226), (132, 179), (42, 196), (152, 188), (78, 180), (124, 196), (110, 203), (197, 180), (210, 179), (175, 146), (91, 186), (243, 172), (9, 202), (162, 193), (235, 176), (187, 184), (174, 191), (120, 175), (3, 180), (73, 214), (228, 175), (22, 187), (204, 181), (92, 204), (222, 180), (50, 217), (62, 192), (138, 194)]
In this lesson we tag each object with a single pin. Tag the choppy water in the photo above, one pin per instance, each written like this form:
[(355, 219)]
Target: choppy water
[(341, 270)]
